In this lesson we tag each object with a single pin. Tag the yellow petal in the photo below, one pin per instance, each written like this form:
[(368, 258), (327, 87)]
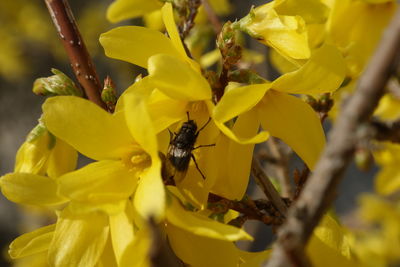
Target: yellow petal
[(136, 44), (295, 122), (143, 87), (107, 259), (32, 243), (99, 182), (387, 180), (86, 127), (239, 100), (330, 245), (63, 158), (168, 18), (137, 254), (165, 111), (324, 72), (153, 20), (139, 123), (388, 108), (312, 11), (378, 1), (30, 189), (149, 200), (78, 240), (200, 251), (201, 225), (177, 79), (232, 182), (349, 31), (33, 155), (258, 138), (110, 207), (127, 9), (122, 230), (281, 63), (286, 34)]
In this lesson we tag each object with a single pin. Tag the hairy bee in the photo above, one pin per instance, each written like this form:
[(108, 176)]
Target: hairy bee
[(180, 150)]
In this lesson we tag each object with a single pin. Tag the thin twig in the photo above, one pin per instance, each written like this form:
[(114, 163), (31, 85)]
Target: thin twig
[(260, 210), (212, 17), (281, 167), (268, 188), (78, 55), (188, 22), (320, 189)]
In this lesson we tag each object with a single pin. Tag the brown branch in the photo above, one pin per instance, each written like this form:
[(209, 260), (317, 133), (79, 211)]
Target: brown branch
[(212, 17), (188, 22), (268, 188), (320, 189), (78, 55)]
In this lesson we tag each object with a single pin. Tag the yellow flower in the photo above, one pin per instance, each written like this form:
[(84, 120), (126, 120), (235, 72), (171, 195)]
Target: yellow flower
[(378, 244), (196, 239), (75, 240), (347, 26), (127, 9), (330, 245), (43, 153), (167, 64), (388, 108), (180, 88), (387, 156), (282, 25), (281, 114), (125, 149)]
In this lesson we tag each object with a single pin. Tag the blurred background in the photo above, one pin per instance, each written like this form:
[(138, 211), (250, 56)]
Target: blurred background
[(30, 47)]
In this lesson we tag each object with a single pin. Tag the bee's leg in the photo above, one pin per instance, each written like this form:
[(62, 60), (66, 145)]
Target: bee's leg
[(209, 119), (197, 166), (203, 146), (171, 135)]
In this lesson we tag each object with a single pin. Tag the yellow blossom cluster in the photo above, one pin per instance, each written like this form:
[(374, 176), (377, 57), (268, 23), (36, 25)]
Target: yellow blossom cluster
[(115, 210)]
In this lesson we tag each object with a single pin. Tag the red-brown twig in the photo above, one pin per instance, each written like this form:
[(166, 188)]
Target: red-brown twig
[(78, 55), (320, 189), (212, 17), (281, 166), (268, 188)]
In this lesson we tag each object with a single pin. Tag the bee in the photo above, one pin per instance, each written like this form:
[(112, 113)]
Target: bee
[(180, 150)]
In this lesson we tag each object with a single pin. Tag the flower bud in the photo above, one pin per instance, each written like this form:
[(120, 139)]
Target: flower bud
[(109, 95), (32, 156), (363, 159), (58, 84)]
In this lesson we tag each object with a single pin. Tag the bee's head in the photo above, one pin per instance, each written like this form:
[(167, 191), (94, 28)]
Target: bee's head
[(189, 125)]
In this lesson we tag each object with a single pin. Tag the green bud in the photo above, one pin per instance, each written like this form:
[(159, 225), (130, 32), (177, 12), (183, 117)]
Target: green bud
[(245, 76), (58, 84), (363, 159), (109, 95)]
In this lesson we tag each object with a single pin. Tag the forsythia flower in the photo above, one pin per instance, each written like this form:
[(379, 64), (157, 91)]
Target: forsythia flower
[(167, 63), (282, 114), (282, 25), (387, 156), (127, 9), (379, 244)]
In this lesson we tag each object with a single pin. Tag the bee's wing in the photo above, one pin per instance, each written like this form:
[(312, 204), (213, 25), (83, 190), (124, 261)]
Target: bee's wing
[(177, 163)]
